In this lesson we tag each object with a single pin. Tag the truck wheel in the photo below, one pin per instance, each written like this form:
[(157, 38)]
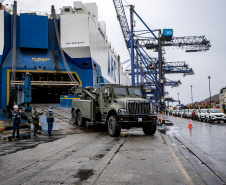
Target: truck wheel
[(80, 120), (149, 129), (74, 117), (114, 129)]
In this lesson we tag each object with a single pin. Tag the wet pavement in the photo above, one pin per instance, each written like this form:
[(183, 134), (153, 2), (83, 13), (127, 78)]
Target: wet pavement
[(206, 142), (77, 155)]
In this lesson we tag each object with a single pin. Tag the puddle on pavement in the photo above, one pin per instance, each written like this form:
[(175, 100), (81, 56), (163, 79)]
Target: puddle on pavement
[(84, 174), (6, 139), (169, 130), (26, 136)]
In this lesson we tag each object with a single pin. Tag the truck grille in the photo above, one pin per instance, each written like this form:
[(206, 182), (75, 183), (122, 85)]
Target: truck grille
[(138, 107)]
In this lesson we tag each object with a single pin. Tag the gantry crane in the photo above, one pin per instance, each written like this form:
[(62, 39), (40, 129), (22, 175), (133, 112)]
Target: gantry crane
[(139, 41)]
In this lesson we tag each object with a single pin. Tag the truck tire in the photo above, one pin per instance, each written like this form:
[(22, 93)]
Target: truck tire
[(80, 120), (149, 129), (114, 129), (74, 117)]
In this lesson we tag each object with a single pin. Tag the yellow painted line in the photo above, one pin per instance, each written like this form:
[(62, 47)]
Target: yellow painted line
[(33, 71), (179, 164)]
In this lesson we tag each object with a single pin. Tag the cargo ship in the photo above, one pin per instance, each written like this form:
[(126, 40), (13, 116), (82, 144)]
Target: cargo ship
[(88, 53)]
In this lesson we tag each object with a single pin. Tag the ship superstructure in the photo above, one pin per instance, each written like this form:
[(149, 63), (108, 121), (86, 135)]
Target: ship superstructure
[(83, 38)]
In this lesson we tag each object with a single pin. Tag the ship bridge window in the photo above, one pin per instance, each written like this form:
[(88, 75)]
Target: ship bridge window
[(95, 66), (85, 64), (67, 9)]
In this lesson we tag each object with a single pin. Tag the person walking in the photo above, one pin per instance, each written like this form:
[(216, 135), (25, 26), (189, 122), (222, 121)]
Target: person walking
[(16, 115), (50, 120), (35, 117)]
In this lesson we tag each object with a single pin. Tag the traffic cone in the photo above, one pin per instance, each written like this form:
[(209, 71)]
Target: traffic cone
[(172, 115), (190, 124), (161, 118), (181, 116)]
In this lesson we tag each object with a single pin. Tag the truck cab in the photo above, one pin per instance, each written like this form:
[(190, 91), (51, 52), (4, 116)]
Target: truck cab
[(115, 106)]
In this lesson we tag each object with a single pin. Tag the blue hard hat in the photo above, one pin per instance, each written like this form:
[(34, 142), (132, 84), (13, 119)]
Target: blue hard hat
[(50, 107)]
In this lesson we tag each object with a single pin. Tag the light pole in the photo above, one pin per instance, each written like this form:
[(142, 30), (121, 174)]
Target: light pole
[(209, 89), (191, 96), (178, 98)]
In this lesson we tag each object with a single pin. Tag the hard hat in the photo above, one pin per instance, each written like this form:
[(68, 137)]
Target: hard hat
[(15, 107), (50, 107)]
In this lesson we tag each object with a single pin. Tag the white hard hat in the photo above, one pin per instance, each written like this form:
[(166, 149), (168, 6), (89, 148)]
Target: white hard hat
[(15, 107)]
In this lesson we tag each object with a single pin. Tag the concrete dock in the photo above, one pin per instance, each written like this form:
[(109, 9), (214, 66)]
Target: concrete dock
[(90, 156)]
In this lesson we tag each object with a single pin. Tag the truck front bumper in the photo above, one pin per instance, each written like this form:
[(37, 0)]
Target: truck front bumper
[(137, 119)]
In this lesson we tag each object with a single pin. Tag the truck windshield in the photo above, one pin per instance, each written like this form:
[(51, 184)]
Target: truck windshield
[(134, 91), (120, 91), (215, 111)]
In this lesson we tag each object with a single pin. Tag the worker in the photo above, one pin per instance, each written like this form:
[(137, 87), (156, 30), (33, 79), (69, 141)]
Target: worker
[(35, 117), (16, 115), (50, 120)]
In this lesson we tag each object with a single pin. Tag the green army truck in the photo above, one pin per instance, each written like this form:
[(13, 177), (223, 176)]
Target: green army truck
[(116, 106)]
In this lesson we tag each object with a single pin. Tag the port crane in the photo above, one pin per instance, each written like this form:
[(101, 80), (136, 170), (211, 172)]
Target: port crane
[(139, 41)]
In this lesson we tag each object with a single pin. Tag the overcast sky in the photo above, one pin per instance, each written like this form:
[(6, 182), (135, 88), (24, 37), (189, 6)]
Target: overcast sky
[(187, 18)]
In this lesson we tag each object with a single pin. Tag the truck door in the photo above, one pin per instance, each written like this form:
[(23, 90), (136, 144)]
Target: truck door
[(106, 98)]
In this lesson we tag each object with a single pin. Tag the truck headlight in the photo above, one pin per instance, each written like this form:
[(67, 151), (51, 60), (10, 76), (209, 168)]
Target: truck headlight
[(122, 112)]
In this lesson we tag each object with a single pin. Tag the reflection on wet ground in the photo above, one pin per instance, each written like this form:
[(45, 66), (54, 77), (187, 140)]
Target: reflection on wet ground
[(5, 139)]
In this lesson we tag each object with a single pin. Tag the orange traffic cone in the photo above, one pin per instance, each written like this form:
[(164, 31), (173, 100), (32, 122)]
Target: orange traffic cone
[(172, 115), (161, 118), (181, 116), (190, 124)]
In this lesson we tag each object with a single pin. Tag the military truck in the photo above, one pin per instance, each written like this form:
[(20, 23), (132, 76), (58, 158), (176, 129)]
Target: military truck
[(116, 106)]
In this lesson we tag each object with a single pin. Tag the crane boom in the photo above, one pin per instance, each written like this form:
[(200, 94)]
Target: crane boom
[(192, 42), (121, 16)]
